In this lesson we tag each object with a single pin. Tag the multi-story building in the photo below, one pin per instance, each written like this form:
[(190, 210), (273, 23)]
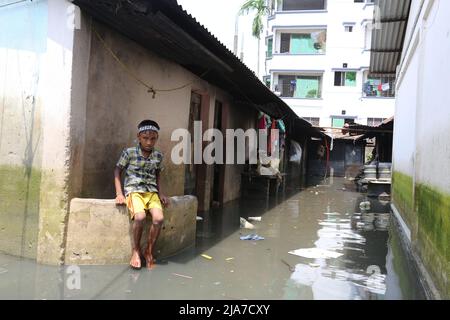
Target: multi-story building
[(317, 60)]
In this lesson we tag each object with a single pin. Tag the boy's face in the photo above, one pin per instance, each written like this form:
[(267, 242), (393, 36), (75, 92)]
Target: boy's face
[(147, 140)]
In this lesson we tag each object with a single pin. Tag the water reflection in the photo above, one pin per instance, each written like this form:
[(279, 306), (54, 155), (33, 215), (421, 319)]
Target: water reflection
[(361, 273)]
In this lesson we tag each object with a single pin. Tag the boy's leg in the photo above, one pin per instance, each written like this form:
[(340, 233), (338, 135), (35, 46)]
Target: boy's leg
[(153, 234), (137, 229), (137, 210)]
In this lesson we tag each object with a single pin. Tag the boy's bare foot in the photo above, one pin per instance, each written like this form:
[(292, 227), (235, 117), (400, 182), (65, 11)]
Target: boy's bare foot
[(135, 260), (149, 260)]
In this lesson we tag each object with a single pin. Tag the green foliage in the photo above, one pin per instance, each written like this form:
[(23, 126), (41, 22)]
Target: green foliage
[(312, 94), (262, 9)]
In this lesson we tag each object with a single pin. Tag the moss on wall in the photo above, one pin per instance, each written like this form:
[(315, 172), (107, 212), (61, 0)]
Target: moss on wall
[(53, 215), (433, 210), (19, 210), (402, 196), (427, 210)]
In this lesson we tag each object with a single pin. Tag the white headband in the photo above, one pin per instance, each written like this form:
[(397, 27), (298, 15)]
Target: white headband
[(146, 128)]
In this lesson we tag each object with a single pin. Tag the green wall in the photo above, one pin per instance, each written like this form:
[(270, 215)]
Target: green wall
[(19, 210), (427, 213)]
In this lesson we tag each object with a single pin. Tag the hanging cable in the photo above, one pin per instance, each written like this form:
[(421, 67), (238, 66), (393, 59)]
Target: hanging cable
[(12, 3), (134, 76)]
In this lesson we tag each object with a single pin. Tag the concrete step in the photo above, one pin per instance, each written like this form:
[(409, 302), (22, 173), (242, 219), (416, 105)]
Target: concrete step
[(99, 231)]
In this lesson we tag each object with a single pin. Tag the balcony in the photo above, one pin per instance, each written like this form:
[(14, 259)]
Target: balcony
[(379, 86), (291, 19), (299, 86)]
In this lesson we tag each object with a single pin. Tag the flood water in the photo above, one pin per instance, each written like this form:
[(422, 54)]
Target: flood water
[(326, 215)]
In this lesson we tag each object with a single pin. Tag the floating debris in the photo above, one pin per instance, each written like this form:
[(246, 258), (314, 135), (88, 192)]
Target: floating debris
[(315, 253), (254, 218), (252, 236), (199, 218), (365, 205), (291, 269), (332, 213), (228, 259), (206, 256), (245, 224), (182, 275)]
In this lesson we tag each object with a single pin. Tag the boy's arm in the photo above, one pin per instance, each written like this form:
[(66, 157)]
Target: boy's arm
[(162, 197), (120, 198)]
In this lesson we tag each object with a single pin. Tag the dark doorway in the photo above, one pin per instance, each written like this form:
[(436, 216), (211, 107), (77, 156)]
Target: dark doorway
[(217, 183), (190, 170)]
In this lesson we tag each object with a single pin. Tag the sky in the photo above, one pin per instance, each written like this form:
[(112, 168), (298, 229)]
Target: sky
[(219, 17)]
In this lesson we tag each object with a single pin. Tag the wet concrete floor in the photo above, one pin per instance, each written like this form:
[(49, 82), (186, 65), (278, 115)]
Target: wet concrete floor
[(326, 215)]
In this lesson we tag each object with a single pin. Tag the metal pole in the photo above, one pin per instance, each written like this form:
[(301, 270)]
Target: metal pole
[(236, 28)]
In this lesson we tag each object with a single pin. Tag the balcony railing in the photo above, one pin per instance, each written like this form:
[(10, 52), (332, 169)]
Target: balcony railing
[(381, 87)]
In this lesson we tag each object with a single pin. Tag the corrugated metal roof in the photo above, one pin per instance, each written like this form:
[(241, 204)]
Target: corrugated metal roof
[(387, 41)]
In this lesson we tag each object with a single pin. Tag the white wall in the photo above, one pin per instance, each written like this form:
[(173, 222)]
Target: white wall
[(23, 41), (422, 102), (422, 124)]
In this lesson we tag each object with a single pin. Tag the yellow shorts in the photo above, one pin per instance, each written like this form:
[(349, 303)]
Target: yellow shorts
[(138, 202)]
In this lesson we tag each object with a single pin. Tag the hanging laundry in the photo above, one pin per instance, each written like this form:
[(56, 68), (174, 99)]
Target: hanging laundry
[(367, 88), (281, 126), (268, 121), (385, 86), (262, 122), (273, 141)]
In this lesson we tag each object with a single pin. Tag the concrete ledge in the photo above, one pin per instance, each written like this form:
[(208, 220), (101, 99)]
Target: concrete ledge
[(99, 231)]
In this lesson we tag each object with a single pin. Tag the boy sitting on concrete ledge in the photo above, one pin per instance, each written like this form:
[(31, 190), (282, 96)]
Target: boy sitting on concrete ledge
[(142, 165)]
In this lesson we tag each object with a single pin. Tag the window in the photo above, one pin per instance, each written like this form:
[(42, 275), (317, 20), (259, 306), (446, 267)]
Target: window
[(340, 122), (300, 86), (349, 26), (373, 122), (306, 43), (379, 86), (344, 79), (269, 47), (303, 5), (313, 120)]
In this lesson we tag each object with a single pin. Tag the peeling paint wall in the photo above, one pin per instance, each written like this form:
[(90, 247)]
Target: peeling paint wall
[(22, 49), (421, 184)]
